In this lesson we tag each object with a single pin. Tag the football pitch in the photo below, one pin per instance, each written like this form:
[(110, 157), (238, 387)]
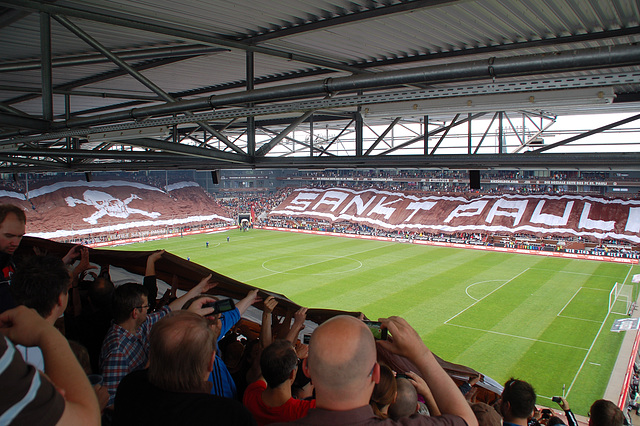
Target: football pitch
[(544, 320)]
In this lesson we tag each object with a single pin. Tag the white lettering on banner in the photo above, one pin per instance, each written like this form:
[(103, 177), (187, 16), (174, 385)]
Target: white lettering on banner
[(416, 207), (519, 207), (472, 209), (633, 221), (383, 209), (585, 222), (551, 219), (302, 201), (332, 198), (360, 206)]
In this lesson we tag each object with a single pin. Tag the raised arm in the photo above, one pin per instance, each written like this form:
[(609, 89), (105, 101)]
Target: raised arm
[(203, 286), (24, 326), (249, 300), (423, 389), (266, 334), (406, 342), (298, 324), (149, 281)]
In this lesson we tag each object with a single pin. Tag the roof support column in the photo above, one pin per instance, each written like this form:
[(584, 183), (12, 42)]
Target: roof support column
[(469, 134), (501, 147), (45, 54), (426, 135), (251, 120), (359, 124), (311, 136)]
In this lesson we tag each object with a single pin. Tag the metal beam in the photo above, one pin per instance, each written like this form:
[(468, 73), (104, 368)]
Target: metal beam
[(431, 133), (610, 56), (24, 122), (182, 149), (607, 161), (264, 149), (382, 136), (135, 54), (45, 58), (99, 77), (135, 74), (38, 90), (589, 133), (251, 121), (173, 31)]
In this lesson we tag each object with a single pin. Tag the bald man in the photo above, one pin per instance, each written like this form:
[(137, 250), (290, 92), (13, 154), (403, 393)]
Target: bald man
[(174, 389), (343, 368)]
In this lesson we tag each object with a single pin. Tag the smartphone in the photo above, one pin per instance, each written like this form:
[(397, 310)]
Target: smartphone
[(378, 332), (556, 399), (306, 339), (220, 306)]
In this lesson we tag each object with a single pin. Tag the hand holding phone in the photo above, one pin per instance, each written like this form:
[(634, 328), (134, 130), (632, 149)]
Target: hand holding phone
[(378, 332), (220, 306)]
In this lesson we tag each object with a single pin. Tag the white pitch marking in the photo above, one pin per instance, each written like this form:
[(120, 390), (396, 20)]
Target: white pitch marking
[(328, 259), (466, 290), (485, 296), (351, 254), (519, 337)]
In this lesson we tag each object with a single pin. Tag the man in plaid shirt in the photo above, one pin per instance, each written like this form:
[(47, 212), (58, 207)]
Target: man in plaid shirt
[(126, 345)]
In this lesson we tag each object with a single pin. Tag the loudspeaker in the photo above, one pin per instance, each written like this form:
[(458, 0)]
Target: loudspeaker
[(215, 176), (474, 179), (88, 177)]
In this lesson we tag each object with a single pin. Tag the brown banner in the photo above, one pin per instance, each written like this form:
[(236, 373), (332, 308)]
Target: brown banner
[(581, 216)]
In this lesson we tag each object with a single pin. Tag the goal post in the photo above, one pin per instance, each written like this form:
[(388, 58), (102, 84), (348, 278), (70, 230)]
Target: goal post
[(620, 299)]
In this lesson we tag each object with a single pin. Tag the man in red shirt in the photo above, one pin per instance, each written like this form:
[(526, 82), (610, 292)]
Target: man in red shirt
[(269, 398)]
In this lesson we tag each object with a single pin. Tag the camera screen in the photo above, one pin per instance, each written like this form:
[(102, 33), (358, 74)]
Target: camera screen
[(378, 332), (220, 306)]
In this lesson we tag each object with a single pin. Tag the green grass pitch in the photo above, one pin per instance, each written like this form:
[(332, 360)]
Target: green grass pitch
[(539, 319)]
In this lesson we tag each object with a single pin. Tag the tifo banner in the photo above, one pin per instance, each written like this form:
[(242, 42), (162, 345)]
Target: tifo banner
[(581, 216)]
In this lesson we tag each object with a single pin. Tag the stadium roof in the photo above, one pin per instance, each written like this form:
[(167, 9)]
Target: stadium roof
[(133, 85)]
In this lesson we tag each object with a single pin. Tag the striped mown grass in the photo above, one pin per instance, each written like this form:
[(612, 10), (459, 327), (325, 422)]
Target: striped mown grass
[(539, 319)]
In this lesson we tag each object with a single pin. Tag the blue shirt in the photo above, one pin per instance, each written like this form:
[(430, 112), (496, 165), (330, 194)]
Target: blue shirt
[(223, 384)]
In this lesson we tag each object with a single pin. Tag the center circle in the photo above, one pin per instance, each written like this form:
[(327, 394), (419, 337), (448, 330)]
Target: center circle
[(311, 264)]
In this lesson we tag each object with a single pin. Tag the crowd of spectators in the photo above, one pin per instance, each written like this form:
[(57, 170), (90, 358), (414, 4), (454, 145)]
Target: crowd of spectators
[(125, 355), (574, 245)]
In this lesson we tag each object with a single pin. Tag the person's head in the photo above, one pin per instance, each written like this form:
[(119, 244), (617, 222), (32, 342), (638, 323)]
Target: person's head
[(406, 402), (518, 400), (130, 301), (82, 355), (42, 283), (554, 420), (302, 388), (342, 362), (13, 222), (278, 363), (486, 414), (384, 392), (100, 292), (605, 413), (181, 352)]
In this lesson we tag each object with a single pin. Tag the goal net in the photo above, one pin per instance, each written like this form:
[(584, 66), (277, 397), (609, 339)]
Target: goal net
[(620, 299)]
